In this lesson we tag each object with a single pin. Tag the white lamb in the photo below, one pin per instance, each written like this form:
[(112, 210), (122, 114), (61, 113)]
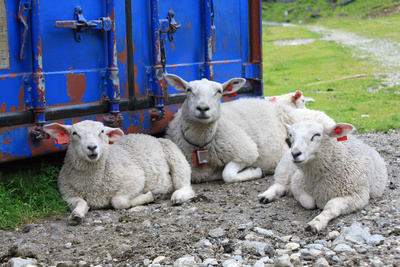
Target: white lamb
[(295, 100), (99, 175), (338, 177), (242, 138)]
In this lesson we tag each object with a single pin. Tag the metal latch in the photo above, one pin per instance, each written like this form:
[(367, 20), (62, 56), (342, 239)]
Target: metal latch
[(173, 26), (80, 24), (24, 6)]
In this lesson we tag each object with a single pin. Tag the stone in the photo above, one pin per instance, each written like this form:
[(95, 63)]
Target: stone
[(159, 260), (342, 248), (265, 232), (310, 254), (230, 263), (283, 261), (332, 235), (210, 261), (354, 234), (375, 240), (186, 260), (259, 246), (19, 262), (203, 243), (321, 262), (218, 232), (292, 246)]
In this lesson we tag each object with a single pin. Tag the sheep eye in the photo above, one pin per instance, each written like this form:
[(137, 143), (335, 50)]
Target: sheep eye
[(188, 90), (74, 133), (312, 138), (102, 131), (218, 92)]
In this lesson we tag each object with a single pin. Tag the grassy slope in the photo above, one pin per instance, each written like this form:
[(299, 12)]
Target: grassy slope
[(289, 68), (297, 11)]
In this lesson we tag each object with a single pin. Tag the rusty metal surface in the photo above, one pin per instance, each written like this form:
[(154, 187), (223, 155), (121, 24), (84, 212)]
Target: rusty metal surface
[(114, 72)]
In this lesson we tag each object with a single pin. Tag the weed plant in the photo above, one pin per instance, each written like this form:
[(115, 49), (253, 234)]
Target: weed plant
[(24, 200)]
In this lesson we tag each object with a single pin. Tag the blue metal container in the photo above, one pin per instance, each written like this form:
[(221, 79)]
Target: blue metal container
[(67, 61)]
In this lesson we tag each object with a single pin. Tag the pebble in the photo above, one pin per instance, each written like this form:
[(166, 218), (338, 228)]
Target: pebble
[(230, 263), (354, 234), (310, 254), (283, 261), (375, 240), (159, 260), (185, 261), (265, 232), (332, 235), (342, 248), (210, 261), (203, 243), (218, 232), (259, 246), (19, 262), (321, 262), (292, 246)]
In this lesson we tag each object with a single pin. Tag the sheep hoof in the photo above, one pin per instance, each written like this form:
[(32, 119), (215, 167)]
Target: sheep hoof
[(264, 200), (177, 202), (310, 228), (75, 219)]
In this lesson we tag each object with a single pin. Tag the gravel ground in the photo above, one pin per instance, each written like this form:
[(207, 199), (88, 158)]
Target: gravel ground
[(224, 225)]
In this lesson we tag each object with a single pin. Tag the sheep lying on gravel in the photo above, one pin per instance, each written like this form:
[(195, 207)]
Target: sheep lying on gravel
[(295, 100), (98, 175), (235, 141), (338, 177)]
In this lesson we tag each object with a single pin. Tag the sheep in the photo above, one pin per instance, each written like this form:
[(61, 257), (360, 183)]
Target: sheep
[(97, 174), (295, 100), (338, 177), (234, 141)]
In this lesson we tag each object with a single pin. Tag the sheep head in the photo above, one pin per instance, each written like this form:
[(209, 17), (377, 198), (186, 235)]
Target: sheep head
[(203, 97), (306, 138), (87, 139)]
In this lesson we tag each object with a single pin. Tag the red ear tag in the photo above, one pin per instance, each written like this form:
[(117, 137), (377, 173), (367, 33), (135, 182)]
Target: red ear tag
[(338, 130), (200, 156), (110, 143), (344, 138), (272, 99), (62, 139)]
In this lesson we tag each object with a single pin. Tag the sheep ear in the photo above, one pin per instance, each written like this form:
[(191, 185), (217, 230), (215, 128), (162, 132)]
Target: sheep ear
[(113, 133), (176, 82), (54, 129), (297, 95), (339, 130), (233, 85)]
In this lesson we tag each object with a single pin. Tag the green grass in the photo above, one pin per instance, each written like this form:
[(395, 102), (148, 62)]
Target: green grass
[(290, 68), (302, 10), (24, 200)]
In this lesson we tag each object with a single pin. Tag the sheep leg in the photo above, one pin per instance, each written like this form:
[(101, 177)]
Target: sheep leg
[(181, 195), (283, 173), (299, 190), (232, 173), (125, 201), (335, 207), (78, 213)]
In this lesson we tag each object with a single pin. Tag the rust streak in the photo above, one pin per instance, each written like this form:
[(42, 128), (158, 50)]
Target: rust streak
[(3, 107), (76, 86)]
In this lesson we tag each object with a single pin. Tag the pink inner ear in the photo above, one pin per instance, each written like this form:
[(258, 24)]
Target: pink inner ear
[(297, 95), (272, 99)]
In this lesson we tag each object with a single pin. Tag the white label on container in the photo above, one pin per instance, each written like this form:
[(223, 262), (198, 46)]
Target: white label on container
[(4, 51)]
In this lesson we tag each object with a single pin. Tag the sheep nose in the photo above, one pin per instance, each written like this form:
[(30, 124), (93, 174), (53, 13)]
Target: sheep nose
[(296, 154), (92, 148), (202, 109)]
